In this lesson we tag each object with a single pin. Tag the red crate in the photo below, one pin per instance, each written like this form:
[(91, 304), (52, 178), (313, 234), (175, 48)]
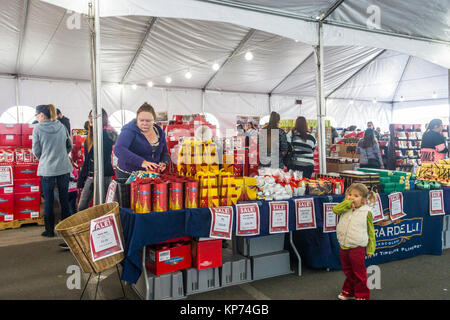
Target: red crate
[(6, 201), (11, 128), (7, 190), (168, 258), (207, 254), (10, 140), (31, 212), (27, 185), (27, 200), (25, 171), (26, 140), (27, 128), (7, 214)]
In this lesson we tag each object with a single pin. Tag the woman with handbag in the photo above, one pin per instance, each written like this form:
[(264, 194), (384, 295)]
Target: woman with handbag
[(369, 151), (51, 145)]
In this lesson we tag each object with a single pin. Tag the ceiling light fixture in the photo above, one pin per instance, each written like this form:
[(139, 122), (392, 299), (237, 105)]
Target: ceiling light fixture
[(215, 66), (188, 75), (249, 56), (134, 86), (168, 79), (150, 84)]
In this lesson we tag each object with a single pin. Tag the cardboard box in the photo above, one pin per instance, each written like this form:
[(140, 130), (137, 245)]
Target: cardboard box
[(27, 213), (27, 128), (27, 185), (25, 171), (207, 254), (10, 128), (6, 214), (338, 167), (165, 259), (6, 201), (10, 140), (30, 200), (7, 190), (26, 140)]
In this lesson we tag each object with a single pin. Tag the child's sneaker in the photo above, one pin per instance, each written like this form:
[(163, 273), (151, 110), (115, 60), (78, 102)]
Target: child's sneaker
[(345, 296)]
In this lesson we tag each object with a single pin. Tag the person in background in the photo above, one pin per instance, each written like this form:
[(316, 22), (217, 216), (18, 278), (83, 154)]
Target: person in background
[(376, 133), (334, 135), (356, 236), (434, 145), (86, 179), (303, 146), (265, 143), (73, 191), (52, 145), (141, 145), (64, 120), (240, 130), (251, 130), (369, 151)]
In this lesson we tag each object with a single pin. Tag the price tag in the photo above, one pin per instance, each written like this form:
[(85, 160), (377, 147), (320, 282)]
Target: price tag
[(305, 214), (330, 219), (396, 206), (377, 209), (105, 239), (436, 203), (221, 222), (279, 216), (6, 176), (8, 217), (247, 216)]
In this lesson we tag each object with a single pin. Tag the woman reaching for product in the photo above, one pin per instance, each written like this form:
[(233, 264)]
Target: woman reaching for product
[(434, 145), (141, 145)]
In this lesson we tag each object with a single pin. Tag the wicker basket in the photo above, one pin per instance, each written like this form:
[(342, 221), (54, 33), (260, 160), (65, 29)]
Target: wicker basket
[(76, 232)]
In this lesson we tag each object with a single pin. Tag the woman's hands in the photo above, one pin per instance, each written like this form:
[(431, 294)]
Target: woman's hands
[(147, 165)]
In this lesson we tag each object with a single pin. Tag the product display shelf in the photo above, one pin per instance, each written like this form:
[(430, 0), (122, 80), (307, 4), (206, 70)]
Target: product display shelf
[(404, 147)]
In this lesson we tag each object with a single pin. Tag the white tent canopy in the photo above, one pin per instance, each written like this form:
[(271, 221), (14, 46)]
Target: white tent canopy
[(371, 65)]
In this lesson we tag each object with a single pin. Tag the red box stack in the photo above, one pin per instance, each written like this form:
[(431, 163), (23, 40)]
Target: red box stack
[(168, 257), (207, 254)]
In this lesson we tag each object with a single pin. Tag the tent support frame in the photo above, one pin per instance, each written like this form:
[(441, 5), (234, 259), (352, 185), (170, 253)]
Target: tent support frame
[(321, 108)]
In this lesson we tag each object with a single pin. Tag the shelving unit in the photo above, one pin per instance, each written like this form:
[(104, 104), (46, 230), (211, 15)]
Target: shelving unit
[(404, 147)]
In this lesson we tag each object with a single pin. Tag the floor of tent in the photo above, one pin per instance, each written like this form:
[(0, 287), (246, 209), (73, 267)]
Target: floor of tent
[(34, 267)]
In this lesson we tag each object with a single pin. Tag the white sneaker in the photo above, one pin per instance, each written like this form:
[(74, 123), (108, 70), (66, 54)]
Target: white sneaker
[(343, 296)]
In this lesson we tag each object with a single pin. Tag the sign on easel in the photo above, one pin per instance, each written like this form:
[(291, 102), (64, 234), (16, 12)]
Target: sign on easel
[(105, 239)]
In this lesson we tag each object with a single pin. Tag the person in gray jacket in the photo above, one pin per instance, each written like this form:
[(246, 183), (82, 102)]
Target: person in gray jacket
[(369, 151), (51, 145)]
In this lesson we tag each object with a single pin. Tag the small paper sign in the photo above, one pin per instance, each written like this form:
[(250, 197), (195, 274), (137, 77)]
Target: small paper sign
[(396, 206), (8, 217), (221, 222), (111, 192), (6, 176), (305, 214), (377, 209), (436, 203), (279, 216), (330, 219), (247, 216), (105, 240)]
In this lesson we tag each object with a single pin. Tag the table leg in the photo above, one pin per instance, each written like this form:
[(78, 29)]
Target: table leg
[(291, 241)]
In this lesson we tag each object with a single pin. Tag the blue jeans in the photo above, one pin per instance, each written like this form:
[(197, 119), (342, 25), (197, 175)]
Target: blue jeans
[(48, 186)]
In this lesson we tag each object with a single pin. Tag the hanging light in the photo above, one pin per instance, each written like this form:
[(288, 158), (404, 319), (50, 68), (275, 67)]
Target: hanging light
[(150, 84), (434, 95), (352, 101), (188, 75), (402, 99), (374, 100), (249, 56), (215, 66), (168, 79), (134, 86)]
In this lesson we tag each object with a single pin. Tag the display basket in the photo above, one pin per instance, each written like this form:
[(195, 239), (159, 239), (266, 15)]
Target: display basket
[(75, 231)]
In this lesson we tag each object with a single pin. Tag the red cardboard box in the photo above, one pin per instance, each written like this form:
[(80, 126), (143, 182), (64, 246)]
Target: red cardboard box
[(7, 214), (10, 140), (27, 213), (11, 128), (6, 190), (27, 140), (207, 254), (27, 128), (166, 258), (25, 171), (27, 200), (6, 201), (27, 185)]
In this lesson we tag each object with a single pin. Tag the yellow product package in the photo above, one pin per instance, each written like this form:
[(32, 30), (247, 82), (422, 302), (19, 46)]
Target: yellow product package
[(250, 188)]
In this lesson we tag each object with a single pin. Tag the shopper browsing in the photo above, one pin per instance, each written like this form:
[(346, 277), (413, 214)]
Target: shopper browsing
[(434, 146), (86, 177), (369, 151), (267, 135), (141, 145), (356, 236), (51, 145), (303, 146)]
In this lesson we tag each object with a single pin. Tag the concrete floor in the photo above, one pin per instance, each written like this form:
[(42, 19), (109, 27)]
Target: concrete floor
[(35, 268)]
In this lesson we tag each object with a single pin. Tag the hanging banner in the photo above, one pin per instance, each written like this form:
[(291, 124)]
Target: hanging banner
[(104, 237), (221, 222), (436, 202), (6, 176), (278, 216), (396, 205), (377, 209), (305, 214), (247, 216), (330, 219)]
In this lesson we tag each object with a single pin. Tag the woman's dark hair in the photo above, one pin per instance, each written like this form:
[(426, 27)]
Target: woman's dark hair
[(48, 110), (273, 124), (90, 136), (369, 138), (301, 127), (433, 123)]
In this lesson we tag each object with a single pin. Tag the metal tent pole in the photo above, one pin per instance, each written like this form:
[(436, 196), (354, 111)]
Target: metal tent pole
[(96, 103), (321, 112)]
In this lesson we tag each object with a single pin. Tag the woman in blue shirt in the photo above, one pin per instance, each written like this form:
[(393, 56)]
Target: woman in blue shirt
[(141, 145)]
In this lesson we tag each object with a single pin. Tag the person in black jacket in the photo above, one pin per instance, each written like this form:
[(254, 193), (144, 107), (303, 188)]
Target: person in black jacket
[(434, 144), (64, 120), (86, 177), (268, 135)]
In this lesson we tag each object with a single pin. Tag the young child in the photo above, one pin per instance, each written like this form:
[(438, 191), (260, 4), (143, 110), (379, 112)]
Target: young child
[(356, 236)]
